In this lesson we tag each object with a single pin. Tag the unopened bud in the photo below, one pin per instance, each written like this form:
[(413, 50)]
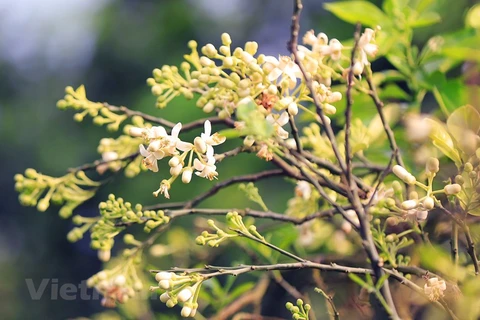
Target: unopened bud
[(432, 165), (452, 189)]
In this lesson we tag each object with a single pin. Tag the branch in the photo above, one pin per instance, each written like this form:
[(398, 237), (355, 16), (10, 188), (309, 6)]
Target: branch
[(379, 104), (348, 110), (245, 178), (130, 113)]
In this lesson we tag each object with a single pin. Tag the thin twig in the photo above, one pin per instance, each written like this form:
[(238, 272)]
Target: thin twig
[(348, 109), (130, 113), (245, 178)]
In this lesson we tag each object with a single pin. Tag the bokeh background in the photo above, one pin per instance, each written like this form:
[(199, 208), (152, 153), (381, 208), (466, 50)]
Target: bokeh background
[(111, 46)]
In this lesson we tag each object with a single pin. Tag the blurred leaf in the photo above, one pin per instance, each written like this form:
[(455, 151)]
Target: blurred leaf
[(393, 91), (425, 19), (443, 141), (362, 12), (437, 260), (464, 126), (239, 290)]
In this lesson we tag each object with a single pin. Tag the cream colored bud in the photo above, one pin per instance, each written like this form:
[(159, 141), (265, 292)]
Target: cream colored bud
[(248, 141), (120, 280), (104, 255), (163, 275), (357, 68), (164, 284), (293, 109), (175, 171), (208, 107), (187, 175), (226, 40), (428, 203), (184, 295), (329, 109), (452, 189), (421, 215), (136, 131), (174, 161), (432, 166), (206, 62), (403, 174), (186, 311), (164, 297), (409, 204), (272, 89), (200, 145), (334, 97)]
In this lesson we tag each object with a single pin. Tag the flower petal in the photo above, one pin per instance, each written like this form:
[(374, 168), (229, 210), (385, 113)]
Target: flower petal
[(176, 130)]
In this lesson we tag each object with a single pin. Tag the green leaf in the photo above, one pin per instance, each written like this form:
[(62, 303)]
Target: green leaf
[(239, 290), (425, 19), (354, 12)]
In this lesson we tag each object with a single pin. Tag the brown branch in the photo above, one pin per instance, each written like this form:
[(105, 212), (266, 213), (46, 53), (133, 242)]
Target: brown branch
[(250, 297), (348, 109), (386, 126), (96, 163), (245, 178), (130, 113)]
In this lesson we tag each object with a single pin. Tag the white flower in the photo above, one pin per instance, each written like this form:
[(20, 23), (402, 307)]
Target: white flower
[(210, 139), (265, 153), (150, 160), (278, 123), (352, 215), (206, 170), (285, 68), (365, 49), (164, 187), (434, 288), (303, 189)]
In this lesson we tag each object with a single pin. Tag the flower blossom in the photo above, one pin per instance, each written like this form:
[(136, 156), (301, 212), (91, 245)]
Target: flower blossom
[(434, 288), (278, 123), (206, 169), (283, 67), (210, 139), (365, 48)]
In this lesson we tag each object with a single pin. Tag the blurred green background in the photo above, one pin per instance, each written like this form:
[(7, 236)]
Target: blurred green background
[(112, 46)]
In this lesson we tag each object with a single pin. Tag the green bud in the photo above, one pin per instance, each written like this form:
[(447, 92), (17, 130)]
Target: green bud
[(459, 179), (200, 240), (128, 238), (65, 211), (43, 205), (468, 167), (289, 305), (78, 117), (31, 173)]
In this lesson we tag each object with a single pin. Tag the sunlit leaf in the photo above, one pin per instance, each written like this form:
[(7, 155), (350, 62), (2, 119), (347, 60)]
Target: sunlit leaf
[(362, 12), (464, 126)]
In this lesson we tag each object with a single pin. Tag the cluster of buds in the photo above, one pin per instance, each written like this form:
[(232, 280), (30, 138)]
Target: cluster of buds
[(414, 205), (434, 288), (113, 150), (235, 223), (40, 190), (115, 213), (77, 100), (161, 145), (299, 311), (179, 288), (116, 285)]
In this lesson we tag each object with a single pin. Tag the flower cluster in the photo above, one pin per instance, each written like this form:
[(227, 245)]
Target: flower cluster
[(119, 284), (416, 206), (162, 145), (300, 311), (69, 191), (180, 288), (102, 115)]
